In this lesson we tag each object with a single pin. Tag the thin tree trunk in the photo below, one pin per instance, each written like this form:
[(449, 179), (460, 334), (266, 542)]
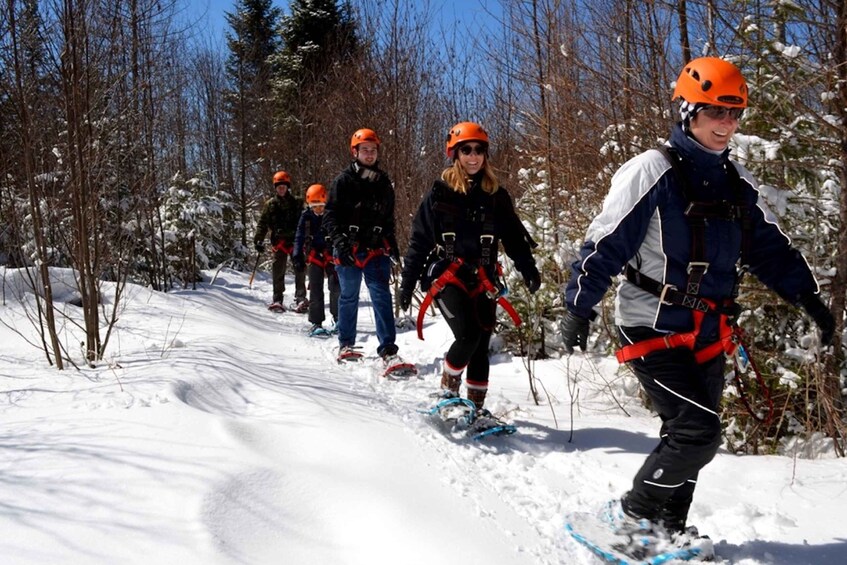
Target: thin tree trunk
[(34, 202), (685, 45), (839, 283), (546, 122), (79, 163)]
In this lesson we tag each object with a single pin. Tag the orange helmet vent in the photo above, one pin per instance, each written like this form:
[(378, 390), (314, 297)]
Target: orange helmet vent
[(316, 195), (709, 80), (464, 132)]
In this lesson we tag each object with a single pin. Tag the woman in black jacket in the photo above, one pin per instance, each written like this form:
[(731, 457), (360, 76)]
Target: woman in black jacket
[(454, 243)]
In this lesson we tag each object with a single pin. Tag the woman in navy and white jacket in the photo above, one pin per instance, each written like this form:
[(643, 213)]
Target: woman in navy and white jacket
[(681, 272)]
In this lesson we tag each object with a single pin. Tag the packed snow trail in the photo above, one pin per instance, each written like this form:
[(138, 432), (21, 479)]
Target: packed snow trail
[(349, 472), (330, 429)]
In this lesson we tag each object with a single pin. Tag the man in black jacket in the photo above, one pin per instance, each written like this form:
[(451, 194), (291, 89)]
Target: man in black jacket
[(359, 220), (280, 216)]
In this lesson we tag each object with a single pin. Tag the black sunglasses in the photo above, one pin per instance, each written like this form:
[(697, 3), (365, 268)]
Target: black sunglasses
[(475, 149), (720, 112)]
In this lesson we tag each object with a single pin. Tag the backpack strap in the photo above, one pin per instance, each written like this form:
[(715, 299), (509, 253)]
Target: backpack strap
[(697, 213), (307, 236), (453, 219)]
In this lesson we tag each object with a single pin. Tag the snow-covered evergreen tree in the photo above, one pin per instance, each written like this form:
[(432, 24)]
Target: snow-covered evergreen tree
[(193, 213)]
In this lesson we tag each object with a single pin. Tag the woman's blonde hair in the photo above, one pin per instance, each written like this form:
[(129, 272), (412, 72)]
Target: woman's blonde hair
[(458, 179)]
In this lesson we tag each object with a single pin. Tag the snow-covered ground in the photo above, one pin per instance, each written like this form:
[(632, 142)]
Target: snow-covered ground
[(219, 433)]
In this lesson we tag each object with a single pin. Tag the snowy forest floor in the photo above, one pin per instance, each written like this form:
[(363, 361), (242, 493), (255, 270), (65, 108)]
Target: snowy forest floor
[(217, 432)]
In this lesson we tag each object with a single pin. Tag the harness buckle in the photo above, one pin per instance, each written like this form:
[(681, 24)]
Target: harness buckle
[(665, 289), (449, 236), (701, 266), (353, 229), (488, 237), (377, 230)]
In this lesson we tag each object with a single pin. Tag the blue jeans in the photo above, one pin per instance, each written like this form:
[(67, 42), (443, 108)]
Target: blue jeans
[(376, 274)]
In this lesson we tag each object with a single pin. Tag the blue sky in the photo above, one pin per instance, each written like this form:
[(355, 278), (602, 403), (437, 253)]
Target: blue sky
[(211, 12)]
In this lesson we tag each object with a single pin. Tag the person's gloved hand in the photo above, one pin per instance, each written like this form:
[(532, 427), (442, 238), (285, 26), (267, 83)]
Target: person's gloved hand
[(299, 262), (344, 253), (260, 246), (406, 292), (574, 331), (821, 315), (532, 279), (347, 259)]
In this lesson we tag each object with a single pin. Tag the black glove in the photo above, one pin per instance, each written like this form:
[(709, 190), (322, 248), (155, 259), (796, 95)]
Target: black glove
[(532, 278), (821, 315), (260, 246), (574, 331), (406, 293), (345, 253), (299, 262)]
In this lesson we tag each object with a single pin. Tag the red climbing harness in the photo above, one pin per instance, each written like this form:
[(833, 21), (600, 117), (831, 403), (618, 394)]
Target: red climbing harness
[(448, 277), (729, 338), (281, 246), (321, 259)]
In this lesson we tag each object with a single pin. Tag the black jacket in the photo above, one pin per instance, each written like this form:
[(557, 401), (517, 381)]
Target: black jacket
[(367, 203), (469, 216)]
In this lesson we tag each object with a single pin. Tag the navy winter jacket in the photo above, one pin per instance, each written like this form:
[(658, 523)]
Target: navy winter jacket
[(642, 223), (311, 222)]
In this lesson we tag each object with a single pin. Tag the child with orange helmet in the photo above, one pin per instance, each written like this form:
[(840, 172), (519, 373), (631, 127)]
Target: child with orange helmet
[(313, 254)]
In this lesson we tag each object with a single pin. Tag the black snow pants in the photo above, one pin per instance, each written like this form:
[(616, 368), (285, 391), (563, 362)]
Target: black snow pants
[(472, 322), (687, 396)]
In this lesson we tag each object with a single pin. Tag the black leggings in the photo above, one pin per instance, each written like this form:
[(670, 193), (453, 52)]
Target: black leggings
[(687, 397), (472, 322)]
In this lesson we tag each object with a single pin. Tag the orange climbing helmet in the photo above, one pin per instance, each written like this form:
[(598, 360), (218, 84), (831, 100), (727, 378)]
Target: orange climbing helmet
[(361, 136), (709, 80), (464, 132), (316, 195), (281, 177)]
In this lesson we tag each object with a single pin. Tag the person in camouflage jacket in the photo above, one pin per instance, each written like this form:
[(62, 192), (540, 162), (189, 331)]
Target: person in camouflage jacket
[(280, 215)]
